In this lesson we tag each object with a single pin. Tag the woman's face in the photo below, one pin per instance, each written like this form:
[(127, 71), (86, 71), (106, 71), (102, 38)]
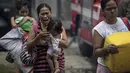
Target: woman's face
[(45, 15), (110, 11), (24, 11)]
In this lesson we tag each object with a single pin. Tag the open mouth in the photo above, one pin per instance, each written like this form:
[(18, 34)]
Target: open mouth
[(45, 20)]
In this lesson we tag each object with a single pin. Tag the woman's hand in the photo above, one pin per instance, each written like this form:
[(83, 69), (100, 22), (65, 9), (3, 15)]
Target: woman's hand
[(112, 49), (42, 35), (27, 18)]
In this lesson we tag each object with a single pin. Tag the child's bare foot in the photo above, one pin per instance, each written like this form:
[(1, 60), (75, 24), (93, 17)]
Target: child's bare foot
[(57, 70)]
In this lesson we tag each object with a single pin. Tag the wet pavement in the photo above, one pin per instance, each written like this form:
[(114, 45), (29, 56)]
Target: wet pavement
[(75, 62)]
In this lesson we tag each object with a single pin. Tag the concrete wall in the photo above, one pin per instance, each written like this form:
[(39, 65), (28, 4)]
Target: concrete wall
[(66, 9)]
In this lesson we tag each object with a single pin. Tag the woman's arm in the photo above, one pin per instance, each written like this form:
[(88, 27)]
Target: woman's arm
[(98, 42), (64, 41), (32, 38), (13, 22)]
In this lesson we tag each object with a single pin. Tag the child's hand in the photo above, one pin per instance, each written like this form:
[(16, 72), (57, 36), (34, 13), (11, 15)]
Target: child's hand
[(27, 18), (33, 20)]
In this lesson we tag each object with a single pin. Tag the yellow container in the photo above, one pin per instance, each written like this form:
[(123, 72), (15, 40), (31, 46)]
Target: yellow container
[(119, 62)]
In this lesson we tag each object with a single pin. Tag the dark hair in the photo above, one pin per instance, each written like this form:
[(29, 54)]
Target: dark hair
[(20, 4), (41, 6), (56, 25), (104, 2)]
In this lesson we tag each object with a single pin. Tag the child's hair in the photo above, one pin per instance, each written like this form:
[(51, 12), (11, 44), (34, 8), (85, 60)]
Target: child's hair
[(19, 4), (56, 25)]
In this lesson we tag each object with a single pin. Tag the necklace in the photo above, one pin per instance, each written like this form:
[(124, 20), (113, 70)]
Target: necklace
[(43, 27)]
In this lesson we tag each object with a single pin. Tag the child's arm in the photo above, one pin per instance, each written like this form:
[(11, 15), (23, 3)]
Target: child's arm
[(13, 22)]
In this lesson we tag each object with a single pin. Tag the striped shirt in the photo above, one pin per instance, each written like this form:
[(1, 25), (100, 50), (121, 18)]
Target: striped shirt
[(41, 64)]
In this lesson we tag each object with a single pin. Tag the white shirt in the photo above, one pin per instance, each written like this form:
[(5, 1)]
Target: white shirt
[(55, 44), (105, 29)]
